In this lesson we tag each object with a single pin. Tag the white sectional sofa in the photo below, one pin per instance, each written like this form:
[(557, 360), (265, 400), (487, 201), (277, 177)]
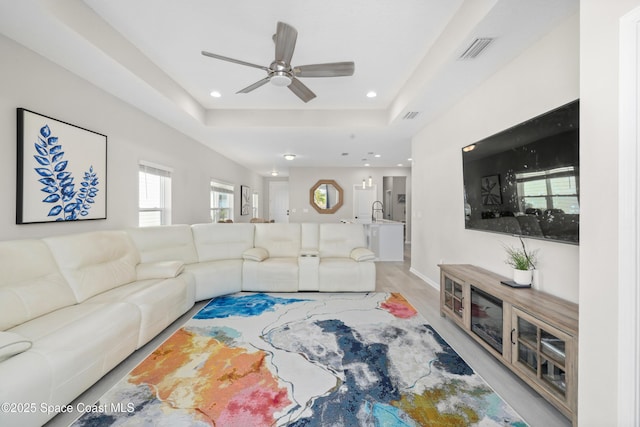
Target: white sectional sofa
[(73, 307)]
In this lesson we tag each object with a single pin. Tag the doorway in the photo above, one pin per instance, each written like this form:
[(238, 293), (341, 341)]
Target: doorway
[(279, 201)]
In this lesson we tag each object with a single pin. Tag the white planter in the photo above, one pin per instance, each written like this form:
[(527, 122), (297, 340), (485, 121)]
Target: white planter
[(522, 277)]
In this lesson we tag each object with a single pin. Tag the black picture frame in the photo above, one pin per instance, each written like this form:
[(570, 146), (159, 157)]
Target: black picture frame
[(245, 200), (61, 171), (490, 190)]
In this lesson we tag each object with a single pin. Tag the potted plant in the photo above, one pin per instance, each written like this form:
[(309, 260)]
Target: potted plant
[(523, 263)]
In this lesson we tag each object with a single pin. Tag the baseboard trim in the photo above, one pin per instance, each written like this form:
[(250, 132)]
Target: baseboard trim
[(425, 279)]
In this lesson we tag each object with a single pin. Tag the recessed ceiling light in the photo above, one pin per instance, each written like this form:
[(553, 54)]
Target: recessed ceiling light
[(367, 164), (215, 94), (410, 159), (289, 156), (371, 94), (377, 155), (274, 173), (399, 164)]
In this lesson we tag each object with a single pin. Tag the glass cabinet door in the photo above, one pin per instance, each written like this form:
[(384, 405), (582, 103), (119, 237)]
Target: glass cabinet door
[(453, 297), (539, 351), (552, 360)]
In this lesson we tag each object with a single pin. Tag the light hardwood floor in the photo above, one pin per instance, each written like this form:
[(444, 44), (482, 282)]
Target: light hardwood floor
[(391, 277)]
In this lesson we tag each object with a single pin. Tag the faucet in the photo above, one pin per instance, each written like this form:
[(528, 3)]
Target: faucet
[(375, 209)]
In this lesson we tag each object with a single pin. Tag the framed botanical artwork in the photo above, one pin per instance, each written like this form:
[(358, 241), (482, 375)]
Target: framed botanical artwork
[(62, 171), (245, 200), (490, 190)]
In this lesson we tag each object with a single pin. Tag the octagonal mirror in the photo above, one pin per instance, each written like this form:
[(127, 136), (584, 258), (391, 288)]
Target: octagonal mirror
[(326, 196)]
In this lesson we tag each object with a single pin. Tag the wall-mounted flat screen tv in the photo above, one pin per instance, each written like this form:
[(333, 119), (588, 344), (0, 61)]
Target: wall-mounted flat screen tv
[(526, 180)]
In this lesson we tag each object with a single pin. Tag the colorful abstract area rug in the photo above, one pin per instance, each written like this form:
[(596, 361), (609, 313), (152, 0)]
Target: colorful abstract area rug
[(303, 360)]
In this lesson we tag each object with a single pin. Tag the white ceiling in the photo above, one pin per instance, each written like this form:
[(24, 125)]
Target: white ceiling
[(147, 52)]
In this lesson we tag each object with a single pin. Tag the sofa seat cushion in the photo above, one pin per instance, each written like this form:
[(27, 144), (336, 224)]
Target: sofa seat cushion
[(215, 278), (159, 301), (95, 262), (30, 284), (270, 275), (72, 349), (346, 275)]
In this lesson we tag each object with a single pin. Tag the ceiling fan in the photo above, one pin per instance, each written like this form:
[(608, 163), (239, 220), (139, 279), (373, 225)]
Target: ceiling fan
[(281, 73)]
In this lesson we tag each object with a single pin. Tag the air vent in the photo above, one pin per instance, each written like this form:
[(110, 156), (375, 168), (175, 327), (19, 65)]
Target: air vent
[(476, 47), (410, 115)]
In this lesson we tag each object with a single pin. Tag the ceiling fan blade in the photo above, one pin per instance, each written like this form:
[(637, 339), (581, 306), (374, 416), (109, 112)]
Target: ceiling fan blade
[(235, 61), (301, 90), (334, 69), (285, 40), (256, 85)]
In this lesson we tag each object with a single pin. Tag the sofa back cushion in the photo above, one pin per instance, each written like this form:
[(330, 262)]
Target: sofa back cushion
[(280, 240), (165, 243), (221, 241), (30, 283), (338, 240), (95, 262)]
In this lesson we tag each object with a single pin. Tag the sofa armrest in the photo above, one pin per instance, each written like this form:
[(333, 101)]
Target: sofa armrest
[(255, 254), (12, 344), (362, 254), (159, 270)]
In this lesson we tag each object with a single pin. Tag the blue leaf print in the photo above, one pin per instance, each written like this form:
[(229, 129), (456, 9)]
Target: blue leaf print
[(42, 160), (66, 182), (44, 172), (58, 182), (50, 189), (40, 150), (60, 166), (52, 198), (55, 210)]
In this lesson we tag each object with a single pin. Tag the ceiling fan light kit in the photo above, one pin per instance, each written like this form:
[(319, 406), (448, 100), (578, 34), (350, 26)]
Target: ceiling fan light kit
[(280, 73)]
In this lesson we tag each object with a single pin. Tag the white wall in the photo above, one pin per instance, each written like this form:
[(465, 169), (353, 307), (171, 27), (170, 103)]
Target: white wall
[(599, 71), (27, 80), (542, 78)]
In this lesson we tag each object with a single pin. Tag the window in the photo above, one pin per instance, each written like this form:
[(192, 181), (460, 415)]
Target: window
[(221, 201), (549, 189), (254, 203), (154, 195)]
